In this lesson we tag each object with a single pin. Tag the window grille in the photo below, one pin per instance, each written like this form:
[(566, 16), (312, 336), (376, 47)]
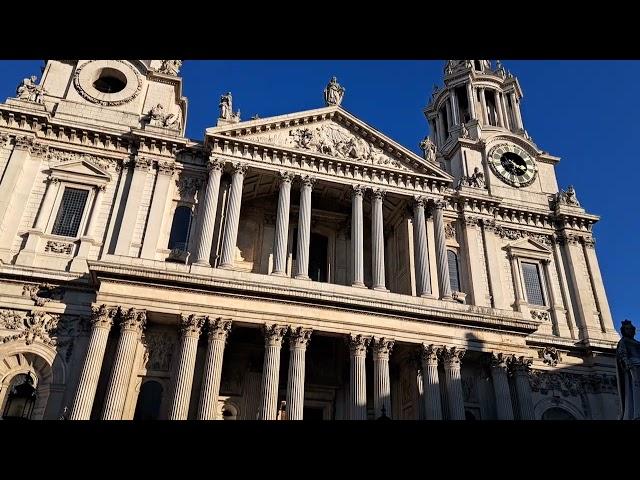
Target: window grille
[(70, 212), (532, 283)]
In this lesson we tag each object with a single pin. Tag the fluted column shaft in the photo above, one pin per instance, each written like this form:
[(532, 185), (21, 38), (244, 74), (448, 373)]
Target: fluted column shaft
[(381, 382), (218, 334), (499, 367), (233, 217), (298, 342), (498, 104), (423, 277), (472, 101), (205, 241), (441, 252), (451, 358), (431, 383), (505, 112), (483, 107), (520, 368), (95, 213), (131, 326), (271, 371), (357, 237), (377, 241), (282, 225), (515, 107), (102, 320), (455, 116), (304, 228), (190, 328), (358, 379)]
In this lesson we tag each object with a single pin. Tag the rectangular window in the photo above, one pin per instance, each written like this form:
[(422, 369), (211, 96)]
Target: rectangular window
[(532, 283), (70, 212), (454, 278)]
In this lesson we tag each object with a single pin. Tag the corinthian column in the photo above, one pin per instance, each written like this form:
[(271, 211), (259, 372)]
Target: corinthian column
[(304, 228), (520, 367), (218, 333), (423, 277), (273, 335), (132, 322), (205, 240), (441, 251), (190, 327), (499, 367), (381, 383), (298, 341), (101, 321), (233, 216), (377, 240), (282, 225), (431, 382), (357, 246), (451, 358), (358, 378)]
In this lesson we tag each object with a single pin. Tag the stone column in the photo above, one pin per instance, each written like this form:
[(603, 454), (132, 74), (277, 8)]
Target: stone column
[(447, 107), (491, 250), (520, 367), (441, 251), (597, 285), (218, 333), (157, 210), (101, 321), (420, 247), (377, 241), (358, 379), (298, 341), (233, 217), (431, 382), (498, 104), (505, 112), (357, 236), (47, 204), (515, 107), (441, 130), (190, 328), (134, 196), (95, 212), (483, 107), (499, 367), (475, 285), (472, 101), (517, 284), (451, 358), (210, 209), (273, 335), (304, 228), (132, 322), (282, 225), (79, 262), (381, 382), (454, 108)]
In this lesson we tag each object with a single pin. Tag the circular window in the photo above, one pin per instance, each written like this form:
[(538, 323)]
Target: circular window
[(109, 80)]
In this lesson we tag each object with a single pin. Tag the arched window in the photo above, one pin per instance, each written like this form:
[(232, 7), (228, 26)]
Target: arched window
[(557, 413), (21, 398), (148, 406), (179, 237), (454, 278)]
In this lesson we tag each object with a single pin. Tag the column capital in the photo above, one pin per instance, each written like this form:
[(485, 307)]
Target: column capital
[(308, 180), (218, 328), (358, 344), (24, 142), (240, 168), (489, 224), (274, 334), (99, 188), (132, 319), (142, 163), (419, 202), (440, 204), (500, 360), (102, 316), (52, 180), (430, 353), (520, 365), (215, 164), (299, 337), (378, 193), (285, 176), (382, 346), (470, 221), (190, 325), (452, 356), (358, 190)]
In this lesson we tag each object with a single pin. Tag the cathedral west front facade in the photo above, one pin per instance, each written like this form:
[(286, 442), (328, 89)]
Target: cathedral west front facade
[(302, 266)]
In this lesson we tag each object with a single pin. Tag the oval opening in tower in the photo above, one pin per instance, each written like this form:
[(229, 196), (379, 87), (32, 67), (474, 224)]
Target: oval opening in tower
[(109, 80)]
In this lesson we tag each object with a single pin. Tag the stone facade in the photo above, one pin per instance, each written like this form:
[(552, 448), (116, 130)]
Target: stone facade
[(299, 266)]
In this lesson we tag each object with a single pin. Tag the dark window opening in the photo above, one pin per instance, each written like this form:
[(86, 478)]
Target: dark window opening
[(532, 283), (110, 80), (445, 122), (476, 65), (492, 113), (463, 104), (148, 406), (312, 413), (179, 236), (454, 279), (70, 212), (557, 413), (318, 257), (21, 398)]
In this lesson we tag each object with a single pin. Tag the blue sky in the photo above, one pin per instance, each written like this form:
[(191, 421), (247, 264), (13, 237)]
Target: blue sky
[(586, 112)]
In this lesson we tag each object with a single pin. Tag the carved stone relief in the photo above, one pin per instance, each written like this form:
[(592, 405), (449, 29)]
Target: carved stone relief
[(43, 293), (159, 351), (567, 384), (62, 248)]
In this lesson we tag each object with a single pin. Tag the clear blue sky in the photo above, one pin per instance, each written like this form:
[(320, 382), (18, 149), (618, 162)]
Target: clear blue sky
[(586, 112)]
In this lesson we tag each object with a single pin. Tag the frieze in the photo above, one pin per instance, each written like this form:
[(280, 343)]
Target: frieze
[(31, 326), (64, 156), (540, 315), (512, 234), (571, 384), (43, 293), (63, 248), (550, 356)]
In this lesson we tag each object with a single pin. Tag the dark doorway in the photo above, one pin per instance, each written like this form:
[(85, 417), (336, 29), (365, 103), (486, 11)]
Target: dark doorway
[(148, 407), (312, 413), (318, 257)]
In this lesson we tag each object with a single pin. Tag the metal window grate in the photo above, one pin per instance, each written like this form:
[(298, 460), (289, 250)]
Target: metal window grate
[(452, 258), (70, 212), (532, 283)]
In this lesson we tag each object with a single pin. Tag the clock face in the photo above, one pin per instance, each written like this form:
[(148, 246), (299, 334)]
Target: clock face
[(512, 165)]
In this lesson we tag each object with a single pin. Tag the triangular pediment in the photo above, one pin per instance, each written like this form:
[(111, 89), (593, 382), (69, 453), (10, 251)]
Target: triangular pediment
[(332, 132), (528, 246), (80, 168)]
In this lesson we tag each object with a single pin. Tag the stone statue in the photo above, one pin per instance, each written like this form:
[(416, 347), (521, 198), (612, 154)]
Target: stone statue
[(428, 149), (30, 90), (157, 118), (464, 133), (477, 178), (333, 92), (628, 372), (567, 197), (226, 106), (170, 67)]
